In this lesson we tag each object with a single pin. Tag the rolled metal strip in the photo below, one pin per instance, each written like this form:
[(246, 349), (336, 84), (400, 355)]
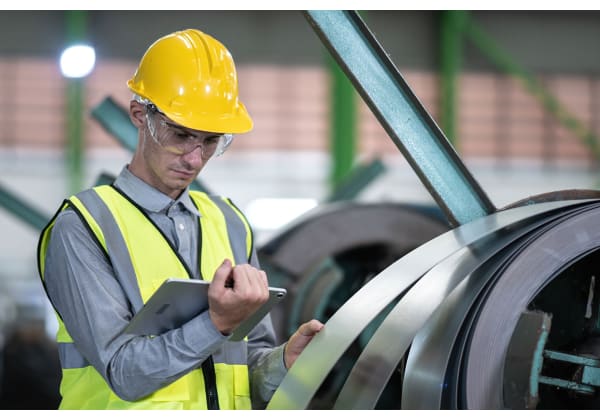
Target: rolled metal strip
[(427, 376), (387, 347), (321, 355), (533, 269)]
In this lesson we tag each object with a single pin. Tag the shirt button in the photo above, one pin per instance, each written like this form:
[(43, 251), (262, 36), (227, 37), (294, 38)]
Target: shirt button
[(181, 226)]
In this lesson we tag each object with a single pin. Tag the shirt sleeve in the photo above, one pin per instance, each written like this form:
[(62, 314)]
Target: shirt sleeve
[(266, 373), (82, 286), (265, 359)]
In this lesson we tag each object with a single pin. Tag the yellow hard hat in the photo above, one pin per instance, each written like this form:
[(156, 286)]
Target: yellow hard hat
[(191, 78)]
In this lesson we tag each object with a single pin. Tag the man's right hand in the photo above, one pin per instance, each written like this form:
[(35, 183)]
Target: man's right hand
[(235, 293)]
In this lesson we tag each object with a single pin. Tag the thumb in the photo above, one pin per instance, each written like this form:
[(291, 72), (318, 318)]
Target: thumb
[(310, 328)]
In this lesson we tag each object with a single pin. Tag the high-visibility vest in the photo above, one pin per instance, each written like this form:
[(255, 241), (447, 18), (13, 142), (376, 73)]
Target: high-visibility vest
[(142, 259)]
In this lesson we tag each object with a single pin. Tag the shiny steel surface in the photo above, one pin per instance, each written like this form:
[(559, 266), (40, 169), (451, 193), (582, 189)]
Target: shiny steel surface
[(429, 357), (394, 336), (321, 355), (539, 263)]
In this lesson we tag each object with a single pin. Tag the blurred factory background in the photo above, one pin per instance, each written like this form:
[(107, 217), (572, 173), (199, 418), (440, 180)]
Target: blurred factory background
[(516, 92)]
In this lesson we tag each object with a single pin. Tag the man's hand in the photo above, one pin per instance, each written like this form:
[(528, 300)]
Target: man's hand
[(299, 340), (234, 294)]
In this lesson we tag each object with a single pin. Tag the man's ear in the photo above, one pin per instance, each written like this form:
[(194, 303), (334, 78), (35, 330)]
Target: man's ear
[(137, 113)]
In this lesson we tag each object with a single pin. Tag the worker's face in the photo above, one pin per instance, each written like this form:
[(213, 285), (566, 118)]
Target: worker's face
[(168, 169)]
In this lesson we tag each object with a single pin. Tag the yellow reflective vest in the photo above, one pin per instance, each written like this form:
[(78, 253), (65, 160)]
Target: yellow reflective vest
[(143, 255)]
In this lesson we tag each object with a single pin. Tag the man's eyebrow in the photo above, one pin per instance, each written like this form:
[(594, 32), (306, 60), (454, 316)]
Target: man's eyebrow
[(178, 127), (182, 129), (187, 131)]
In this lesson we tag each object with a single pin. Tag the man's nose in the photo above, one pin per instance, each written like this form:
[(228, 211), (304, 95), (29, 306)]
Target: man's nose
[(194, 157)]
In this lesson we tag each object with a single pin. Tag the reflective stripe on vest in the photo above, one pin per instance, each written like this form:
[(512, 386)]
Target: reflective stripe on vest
[(236, 228), (115, 246), (107, 225)]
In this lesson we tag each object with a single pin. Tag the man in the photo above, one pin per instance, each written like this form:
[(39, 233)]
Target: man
[(109, 248)]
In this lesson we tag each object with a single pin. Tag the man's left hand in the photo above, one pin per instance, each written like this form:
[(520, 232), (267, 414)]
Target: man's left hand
[(299, 340)]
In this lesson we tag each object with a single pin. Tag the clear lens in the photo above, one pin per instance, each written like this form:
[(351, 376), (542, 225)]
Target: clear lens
[(180, 141), (226, 140)]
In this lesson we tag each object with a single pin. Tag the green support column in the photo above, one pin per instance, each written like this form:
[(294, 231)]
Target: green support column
[(75, 32), (74, 145), (452, 23), (343, 124), (504, 61)]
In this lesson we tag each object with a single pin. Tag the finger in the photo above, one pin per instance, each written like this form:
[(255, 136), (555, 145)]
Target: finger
[(222, 274), (258, 290), (241, 279), (264, 283), (263, 278), (258, 284), (310, 328)]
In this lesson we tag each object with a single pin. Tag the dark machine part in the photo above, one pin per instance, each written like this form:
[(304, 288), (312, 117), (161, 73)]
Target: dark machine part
[(523, 360), (566, 380)]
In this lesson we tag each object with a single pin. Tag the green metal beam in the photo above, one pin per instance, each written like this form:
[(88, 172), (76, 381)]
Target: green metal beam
[(550, 103), (76, 21), (452, 23), (74, 144), (22, 210), (105, 179), (343, 124), (408, 124), (356, 180), (347, 179), (115, 120)]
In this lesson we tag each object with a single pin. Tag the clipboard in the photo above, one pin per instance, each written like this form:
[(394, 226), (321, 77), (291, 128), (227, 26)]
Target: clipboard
[(177, 301)]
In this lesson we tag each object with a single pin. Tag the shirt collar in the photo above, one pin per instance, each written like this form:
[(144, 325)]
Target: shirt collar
[(149, 197)]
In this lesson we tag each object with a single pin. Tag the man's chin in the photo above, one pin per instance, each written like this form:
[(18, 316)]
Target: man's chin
[(182, 183), (178, 184)]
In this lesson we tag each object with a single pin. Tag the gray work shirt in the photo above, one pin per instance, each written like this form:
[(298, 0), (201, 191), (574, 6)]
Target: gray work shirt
[(82, 286)]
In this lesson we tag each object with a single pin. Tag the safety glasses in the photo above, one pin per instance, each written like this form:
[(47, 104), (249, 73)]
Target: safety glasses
[(180, 140)]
